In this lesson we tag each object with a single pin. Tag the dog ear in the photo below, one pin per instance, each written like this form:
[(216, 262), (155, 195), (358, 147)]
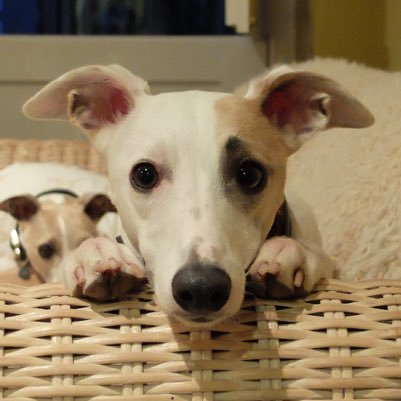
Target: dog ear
[(96, 205), (91, 97), (21, 207), (301, 102)]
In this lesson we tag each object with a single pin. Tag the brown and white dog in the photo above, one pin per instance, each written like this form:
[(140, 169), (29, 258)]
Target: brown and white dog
[(50, 210), (198, 179)]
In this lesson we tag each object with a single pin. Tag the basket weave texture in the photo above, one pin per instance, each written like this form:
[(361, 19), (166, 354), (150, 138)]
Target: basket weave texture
[(78, 153), (342, 342)]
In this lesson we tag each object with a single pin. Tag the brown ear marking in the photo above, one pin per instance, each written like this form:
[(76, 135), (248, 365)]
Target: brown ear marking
[(98, 205), (301, 102), (21, 207)]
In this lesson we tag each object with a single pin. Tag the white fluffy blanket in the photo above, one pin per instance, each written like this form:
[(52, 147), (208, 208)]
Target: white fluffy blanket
[(352, 178)]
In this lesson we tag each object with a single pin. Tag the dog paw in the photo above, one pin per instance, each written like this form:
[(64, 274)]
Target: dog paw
[(283, 268), (103, 269)]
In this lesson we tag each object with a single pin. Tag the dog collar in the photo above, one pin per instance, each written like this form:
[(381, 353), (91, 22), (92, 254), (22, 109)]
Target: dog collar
[(15, 239), (57, 191), (282, 223)]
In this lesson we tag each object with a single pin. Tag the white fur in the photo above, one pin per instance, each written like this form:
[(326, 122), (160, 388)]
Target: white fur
[(191, 182), (34, 178)]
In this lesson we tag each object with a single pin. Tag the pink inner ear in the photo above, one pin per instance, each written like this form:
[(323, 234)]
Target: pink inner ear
[(110, 105), (97, 104), (278, 107), (119, 104)]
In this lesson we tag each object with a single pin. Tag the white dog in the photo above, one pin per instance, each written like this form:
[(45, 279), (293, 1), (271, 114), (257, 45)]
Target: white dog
[(198, 181)]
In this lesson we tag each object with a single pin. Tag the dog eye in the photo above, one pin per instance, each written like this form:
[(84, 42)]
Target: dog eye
[(144, 176), (251, 176), (46, 251)]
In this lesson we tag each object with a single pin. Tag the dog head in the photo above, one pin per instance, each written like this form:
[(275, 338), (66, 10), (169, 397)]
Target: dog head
[(50, 228), (197, 177)]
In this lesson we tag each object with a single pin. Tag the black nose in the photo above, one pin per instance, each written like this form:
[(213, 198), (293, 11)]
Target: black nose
[(201, 288)]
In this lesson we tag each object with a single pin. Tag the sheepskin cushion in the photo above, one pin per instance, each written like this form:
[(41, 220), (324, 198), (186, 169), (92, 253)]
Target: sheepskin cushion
[(352, 178)]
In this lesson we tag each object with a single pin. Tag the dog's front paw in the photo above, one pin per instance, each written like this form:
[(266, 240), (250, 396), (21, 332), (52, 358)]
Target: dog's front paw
[(284, 268), (103, 269)]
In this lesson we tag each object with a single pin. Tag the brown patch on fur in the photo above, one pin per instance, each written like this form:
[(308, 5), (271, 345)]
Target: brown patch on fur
[(243, 118), (20, 207), (98, 205)]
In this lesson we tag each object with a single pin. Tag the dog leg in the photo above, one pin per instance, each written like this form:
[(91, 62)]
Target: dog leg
[(102, 269), (286, 268)]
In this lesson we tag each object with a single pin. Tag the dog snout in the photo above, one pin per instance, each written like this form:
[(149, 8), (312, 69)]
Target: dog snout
[(200, 288)]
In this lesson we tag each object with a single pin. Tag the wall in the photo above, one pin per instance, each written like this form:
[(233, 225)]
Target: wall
[(393, 33), (356, 30), (215, 63)]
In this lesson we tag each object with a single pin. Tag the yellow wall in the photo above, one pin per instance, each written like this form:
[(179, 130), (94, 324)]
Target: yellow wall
[(355, 29), (393, 33)]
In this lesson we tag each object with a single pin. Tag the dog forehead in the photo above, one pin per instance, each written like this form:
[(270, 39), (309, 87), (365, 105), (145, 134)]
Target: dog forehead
[(184, 101), (52, 212), (179, 113), (175, 120)]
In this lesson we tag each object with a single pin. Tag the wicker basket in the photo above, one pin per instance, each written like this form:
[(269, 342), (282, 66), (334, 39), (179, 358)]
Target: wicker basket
[(343, 342)]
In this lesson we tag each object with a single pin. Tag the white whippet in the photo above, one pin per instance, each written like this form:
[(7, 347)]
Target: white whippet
[(198, 179)]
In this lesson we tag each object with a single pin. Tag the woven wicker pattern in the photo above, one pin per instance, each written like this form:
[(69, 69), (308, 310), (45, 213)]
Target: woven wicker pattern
[(78, 153), (343, 342)]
